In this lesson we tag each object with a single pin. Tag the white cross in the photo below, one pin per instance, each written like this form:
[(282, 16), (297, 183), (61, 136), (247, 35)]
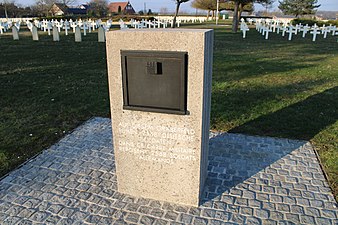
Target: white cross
[(17, 24), (59, 26), (315, 31), (267, 30), (325, 31), (108, 25), (122, 25), (323, 28), (1, 28), (284, 29), (29, 26), (291, 31), (85, 28), (5, 25), (298, 28), (244, 29), (49, 27), (93, 25), (333, 29), (66, 27), (80, 23), (98, 23), (261, 29), (73, 25), (274, 26), (305, 29), (89, 27), (44, 26), (258, 26)]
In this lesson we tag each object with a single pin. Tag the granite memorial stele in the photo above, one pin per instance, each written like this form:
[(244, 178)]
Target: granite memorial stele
[(160, 89)]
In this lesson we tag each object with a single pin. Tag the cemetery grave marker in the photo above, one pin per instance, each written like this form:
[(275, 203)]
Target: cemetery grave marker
[(59, 26), (56, 36), (315, 31), (73, 25), (333, 30), (78, 37), (325, 31), (35, 34), (15, 33), (66, 27), (244, 29), (49, 27), (101, 34), (2, 27), (267, 31), (291, 31), (305, 29), (84, 28)]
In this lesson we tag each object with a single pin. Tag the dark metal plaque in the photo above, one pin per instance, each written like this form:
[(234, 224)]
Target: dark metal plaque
[(155, 81)]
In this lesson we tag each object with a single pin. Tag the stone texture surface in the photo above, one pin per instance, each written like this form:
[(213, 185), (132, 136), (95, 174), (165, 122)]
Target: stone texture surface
[(158, 155), (252, 180)]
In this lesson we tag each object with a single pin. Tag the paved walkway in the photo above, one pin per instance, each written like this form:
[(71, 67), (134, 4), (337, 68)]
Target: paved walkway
[(252, 180)]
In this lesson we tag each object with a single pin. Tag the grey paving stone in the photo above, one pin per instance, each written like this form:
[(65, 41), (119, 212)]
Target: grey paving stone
[(133, 217), (157, 212), (185, 218), (39, 216), (252, 180), (147, 220)]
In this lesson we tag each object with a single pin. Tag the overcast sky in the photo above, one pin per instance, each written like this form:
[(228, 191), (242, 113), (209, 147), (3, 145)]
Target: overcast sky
[(156, 5)]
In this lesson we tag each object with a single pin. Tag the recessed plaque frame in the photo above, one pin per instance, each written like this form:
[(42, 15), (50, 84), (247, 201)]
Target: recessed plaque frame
[(155, 81)]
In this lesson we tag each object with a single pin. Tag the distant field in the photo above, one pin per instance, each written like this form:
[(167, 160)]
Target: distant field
[(274, 87)]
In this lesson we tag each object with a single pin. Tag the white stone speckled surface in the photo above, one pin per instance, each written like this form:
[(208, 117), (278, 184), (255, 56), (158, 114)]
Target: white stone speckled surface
[(162, 156)]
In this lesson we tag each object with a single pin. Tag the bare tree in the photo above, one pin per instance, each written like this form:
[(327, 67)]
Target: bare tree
[(44, 6), (5, 4), (178, 4), (98, 8), (239, 4)]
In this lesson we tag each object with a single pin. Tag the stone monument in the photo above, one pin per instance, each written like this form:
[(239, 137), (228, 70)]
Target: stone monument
[(78, 37), (35, 34), (15, 32), (101, 34), (160, 107), (56, 35)]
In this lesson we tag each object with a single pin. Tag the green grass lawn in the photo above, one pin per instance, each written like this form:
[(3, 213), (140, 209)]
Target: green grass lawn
[(274, 87)]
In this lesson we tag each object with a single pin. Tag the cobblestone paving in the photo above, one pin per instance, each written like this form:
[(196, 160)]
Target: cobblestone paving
[(252, 180)]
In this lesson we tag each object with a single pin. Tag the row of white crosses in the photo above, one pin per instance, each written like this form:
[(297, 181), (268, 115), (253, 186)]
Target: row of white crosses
[(159, 23), (266, 26), (183, 19), (5, 26), (85, 26), (148, 24), (56, 33)]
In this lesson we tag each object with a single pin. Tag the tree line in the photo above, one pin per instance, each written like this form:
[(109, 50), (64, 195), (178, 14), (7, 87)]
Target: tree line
[(288, 7), (98, 8)]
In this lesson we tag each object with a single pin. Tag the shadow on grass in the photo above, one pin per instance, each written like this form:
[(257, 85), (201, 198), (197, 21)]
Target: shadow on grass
[(239, 103), (302, 120)]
